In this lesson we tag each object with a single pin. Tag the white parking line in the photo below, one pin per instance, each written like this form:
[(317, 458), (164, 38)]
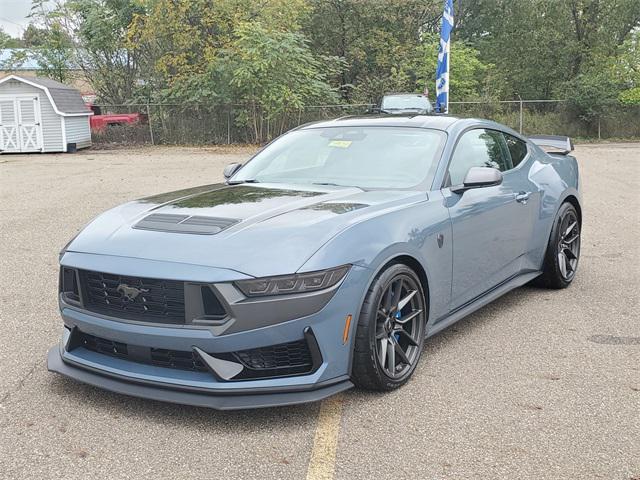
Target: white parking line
[(325, 443)]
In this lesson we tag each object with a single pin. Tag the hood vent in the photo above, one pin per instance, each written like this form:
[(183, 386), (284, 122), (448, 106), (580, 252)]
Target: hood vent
[(194, 224)]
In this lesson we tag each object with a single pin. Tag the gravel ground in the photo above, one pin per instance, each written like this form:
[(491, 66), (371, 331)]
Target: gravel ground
[(539, 384)]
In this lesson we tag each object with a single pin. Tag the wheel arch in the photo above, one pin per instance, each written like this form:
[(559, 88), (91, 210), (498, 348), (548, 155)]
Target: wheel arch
[(573, 200), (415, 265)]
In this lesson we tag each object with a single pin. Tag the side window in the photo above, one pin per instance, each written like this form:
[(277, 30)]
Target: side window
[(478, 148), (517, 149)]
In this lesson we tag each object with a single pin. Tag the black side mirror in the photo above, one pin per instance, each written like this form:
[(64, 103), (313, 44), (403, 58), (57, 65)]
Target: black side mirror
[(479, 177), (230, 169)]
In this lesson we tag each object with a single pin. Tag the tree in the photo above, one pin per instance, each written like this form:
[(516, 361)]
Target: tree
[(101, 49), (34, 36), (274, 72), (7, 41), (376, 40), (177, 40), (54, 57)]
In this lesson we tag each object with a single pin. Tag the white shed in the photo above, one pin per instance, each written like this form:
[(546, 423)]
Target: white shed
[(41, 115)]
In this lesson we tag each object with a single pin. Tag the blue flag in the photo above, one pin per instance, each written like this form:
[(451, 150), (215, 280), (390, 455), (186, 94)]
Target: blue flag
[(442, 71)]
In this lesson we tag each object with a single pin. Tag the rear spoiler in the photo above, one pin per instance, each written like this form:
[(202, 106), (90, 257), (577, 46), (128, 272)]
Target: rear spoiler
[(563, 144)]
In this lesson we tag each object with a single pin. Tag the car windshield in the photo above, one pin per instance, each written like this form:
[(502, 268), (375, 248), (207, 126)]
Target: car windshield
[(405, 102), (365, 157)]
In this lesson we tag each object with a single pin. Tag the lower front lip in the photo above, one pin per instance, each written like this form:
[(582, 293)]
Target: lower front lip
[(220, 400)]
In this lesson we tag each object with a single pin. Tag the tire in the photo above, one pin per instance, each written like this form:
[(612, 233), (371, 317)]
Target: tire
[(559, 272), (383, 315)]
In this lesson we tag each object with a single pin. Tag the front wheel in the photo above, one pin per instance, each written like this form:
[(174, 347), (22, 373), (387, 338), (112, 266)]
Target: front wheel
[(391, 329), (563, 250)]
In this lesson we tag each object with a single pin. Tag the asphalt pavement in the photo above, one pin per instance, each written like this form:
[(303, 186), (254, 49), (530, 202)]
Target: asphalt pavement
[(539, 384)]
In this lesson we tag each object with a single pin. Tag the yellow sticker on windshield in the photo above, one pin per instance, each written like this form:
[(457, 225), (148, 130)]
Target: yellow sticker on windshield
[(340, 143)]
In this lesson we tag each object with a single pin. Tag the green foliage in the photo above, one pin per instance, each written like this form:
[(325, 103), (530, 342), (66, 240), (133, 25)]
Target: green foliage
[(275, 70), (271, 73), (7, 41), (630, 97), (593, 92), (54, 56), (53, 53), (34, 36), (101, 28)]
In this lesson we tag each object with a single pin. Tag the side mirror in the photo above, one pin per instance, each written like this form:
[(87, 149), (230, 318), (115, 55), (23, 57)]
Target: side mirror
[(479, 177), (230, 169)]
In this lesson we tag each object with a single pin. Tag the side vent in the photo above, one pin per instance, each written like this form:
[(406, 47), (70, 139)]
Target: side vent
[(194, 224)]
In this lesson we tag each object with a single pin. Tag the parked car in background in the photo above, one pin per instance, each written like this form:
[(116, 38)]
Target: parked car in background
[(322, 263), (402, 103)]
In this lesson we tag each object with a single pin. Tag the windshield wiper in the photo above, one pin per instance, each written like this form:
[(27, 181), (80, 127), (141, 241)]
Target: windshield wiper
[(329, 183), (238, 182)]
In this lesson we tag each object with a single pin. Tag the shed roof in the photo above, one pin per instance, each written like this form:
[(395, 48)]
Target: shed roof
[(66, 100)]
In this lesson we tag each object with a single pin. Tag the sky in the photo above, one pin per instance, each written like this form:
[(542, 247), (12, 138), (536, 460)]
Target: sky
[(13, 16)]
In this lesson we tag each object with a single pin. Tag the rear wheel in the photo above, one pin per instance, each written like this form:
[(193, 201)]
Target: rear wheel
[(390, 331), (563, 250)]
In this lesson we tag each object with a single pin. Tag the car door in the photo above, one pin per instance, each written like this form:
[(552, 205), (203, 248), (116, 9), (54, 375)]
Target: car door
[(490, 225)]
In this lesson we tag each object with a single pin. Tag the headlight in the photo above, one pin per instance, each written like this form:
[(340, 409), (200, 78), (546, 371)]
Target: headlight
[(297, 283)]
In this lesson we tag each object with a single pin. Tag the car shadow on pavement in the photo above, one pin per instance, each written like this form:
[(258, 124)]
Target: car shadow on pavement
[(118, 405), (497, 310)]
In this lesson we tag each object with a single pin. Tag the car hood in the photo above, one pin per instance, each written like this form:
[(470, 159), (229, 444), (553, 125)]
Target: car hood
[(255, 229)]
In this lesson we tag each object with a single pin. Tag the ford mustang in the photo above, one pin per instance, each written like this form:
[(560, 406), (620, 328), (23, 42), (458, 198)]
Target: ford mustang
[(322, 263)]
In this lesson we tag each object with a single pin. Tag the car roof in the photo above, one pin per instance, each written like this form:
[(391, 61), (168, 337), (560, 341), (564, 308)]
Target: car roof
[(437, 122)]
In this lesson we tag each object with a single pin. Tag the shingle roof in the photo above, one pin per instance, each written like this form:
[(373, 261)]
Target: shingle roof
[(66, 98)]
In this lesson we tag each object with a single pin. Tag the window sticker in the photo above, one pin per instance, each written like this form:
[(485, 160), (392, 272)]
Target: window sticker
[(340, 143)]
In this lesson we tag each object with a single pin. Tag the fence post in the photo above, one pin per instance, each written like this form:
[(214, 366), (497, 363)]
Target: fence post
[(599, 137), (150, 125), (520, 114), (228, 127)]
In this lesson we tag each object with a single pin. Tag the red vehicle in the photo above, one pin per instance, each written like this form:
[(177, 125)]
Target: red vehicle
[(99, 121)]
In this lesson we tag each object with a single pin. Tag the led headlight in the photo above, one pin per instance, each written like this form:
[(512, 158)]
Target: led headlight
[(296, 283)]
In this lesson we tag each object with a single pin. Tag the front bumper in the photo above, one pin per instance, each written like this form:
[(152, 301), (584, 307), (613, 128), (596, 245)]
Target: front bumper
[(205, 388)]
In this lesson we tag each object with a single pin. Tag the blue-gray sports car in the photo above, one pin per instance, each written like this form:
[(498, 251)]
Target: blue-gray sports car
[(322, 263)]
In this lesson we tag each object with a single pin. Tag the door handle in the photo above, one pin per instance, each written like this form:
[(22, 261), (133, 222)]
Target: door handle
[(522, 197)]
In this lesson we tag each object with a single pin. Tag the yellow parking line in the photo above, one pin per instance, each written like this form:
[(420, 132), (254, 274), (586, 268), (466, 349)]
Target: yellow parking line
[(325, 443)]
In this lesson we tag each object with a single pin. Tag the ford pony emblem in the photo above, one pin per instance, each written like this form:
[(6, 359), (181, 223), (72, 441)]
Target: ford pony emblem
[(130, 293)]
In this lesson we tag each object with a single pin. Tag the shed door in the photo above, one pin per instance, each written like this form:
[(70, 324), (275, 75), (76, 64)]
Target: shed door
[(29, 127), (9, 138)]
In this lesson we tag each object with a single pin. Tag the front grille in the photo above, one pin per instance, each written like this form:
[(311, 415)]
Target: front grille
[(293, 358), (133, 298)]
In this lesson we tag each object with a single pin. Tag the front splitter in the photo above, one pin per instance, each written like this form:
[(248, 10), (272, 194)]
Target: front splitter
[(226, 401)]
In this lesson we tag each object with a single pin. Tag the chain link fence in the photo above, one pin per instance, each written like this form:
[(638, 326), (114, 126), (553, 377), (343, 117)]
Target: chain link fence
[(176, 124), (554, 117)]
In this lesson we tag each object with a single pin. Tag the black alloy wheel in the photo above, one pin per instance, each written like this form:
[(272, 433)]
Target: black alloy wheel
[(563, 250), (569, 245), (391, 330)]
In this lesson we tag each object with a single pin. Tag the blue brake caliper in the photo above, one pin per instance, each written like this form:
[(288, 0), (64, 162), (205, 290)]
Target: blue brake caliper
[(397, 335)]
